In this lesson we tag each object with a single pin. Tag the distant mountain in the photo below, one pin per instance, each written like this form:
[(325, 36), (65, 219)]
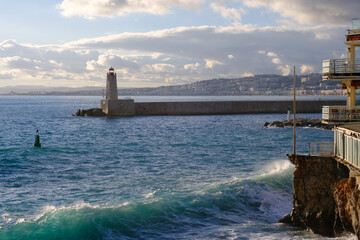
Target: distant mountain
[(265, 84)]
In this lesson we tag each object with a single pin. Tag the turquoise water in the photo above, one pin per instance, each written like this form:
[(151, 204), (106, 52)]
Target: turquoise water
[(170, 177)]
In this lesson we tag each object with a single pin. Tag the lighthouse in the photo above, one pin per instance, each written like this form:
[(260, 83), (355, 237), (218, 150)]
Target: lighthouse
[(112, 106), (111, 85)]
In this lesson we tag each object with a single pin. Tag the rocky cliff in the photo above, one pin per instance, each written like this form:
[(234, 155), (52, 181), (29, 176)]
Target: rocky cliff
[(326, 196)]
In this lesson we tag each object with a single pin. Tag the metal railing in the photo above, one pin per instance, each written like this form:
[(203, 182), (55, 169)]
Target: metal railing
[(340, 113), (324, 149), (341, 66)]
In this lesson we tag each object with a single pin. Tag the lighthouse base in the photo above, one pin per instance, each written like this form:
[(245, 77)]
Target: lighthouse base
[(122, 107)]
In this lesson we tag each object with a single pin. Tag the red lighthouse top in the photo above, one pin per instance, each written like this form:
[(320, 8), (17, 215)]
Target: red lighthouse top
[(111, 71)]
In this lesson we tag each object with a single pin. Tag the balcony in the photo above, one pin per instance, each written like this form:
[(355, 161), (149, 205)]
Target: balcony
[(341, 69), (340, 114), (347, 145)]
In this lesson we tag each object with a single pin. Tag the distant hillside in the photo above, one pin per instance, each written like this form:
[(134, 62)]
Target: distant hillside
[(311, 84), (266, 84)]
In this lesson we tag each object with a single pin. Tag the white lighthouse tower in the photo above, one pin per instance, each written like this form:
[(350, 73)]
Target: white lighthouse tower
[(112, 106), (111, 85)]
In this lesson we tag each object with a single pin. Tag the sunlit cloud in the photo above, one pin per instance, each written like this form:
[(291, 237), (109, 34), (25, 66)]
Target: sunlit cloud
[(90, 9)]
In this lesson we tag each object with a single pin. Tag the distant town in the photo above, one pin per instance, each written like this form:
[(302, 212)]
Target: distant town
[(266, 84)]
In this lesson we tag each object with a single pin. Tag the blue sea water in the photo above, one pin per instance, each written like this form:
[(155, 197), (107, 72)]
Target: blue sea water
[(153, 177)]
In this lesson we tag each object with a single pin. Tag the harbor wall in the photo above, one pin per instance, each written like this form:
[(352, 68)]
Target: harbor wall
[(229, 107)]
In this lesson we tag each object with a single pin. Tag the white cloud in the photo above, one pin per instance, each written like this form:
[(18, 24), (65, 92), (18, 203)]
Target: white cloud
[(90, 9), (306, 68), (271, 54), (247, 75), (311, 12), (155, 55), (192, 67), (210, 63), (5, 75), (230, 13), (276, 61), (169, 80), (106, 60), (183, 54), (285, 70), (159, 67)]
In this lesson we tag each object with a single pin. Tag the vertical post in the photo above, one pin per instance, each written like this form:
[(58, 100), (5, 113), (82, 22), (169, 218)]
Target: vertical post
[(294, 113)]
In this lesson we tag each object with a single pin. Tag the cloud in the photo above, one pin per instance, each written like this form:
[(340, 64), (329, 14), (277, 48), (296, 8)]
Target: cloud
[(192, 67), (247, 75), (90, 9), (271, 54), (229, 13), (276, 61), (159, 67), (107, 59), (311, 12), (285, 70), (210, 63), (5, 75), (155, 55), (306, 69), (183, 54)]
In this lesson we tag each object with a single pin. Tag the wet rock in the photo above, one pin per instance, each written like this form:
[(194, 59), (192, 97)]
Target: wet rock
[(300, 122), (285, 219), (92, 112)]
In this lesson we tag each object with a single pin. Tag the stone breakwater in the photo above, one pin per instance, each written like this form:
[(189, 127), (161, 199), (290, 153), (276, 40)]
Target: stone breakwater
[(326, 196), (222, 107), (300, 122)]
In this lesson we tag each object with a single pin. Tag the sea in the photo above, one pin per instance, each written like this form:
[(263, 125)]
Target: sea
[(146, 177)]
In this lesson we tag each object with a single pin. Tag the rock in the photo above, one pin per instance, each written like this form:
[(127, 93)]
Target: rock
[(92, 112), (347, 196), (300, 122), (323, 195), (285, 219)]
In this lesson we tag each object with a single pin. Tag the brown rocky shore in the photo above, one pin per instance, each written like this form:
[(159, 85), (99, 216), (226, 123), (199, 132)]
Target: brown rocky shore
[(326, 196), (300, 122)]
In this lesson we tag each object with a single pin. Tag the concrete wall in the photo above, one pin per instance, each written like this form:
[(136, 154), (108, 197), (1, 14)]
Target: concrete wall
[(123, 107), (229, 107)]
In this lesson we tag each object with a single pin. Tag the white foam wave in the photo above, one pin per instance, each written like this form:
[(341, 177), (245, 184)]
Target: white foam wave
[(6, 217), (50, 209), (275, 167), (149, 195)]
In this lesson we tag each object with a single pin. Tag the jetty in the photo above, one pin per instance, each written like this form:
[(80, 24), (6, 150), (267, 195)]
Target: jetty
[(112, 106)]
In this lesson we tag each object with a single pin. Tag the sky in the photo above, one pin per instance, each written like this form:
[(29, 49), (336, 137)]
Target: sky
[(150, 43)]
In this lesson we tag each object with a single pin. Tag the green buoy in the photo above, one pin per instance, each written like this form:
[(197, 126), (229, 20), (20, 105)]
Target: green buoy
[(37, 139)]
